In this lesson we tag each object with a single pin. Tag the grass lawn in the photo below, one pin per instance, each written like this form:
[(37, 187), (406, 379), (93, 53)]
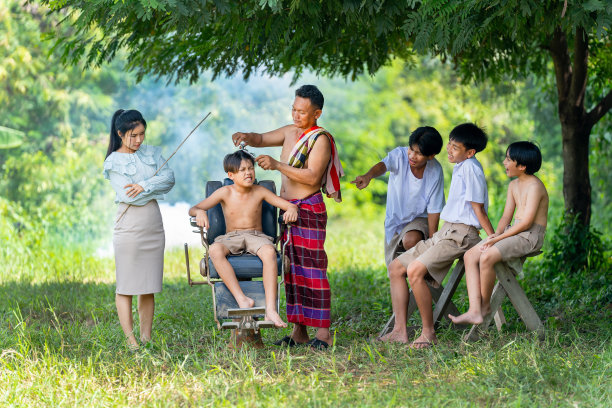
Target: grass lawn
[(61, 345)]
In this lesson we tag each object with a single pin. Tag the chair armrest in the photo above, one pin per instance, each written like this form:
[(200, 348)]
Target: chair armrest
[(192, 221), (202, 231)]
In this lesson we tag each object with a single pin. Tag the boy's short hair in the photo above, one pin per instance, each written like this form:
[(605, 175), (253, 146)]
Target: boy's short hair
[(311, 92), (428, 139), (231, 162), (525, 154), (470, 135)]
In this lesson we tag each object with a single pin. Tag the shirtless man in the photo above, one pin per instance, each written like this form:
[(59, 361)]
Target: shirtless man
[(308, 164), (241, 203), (527, 195)]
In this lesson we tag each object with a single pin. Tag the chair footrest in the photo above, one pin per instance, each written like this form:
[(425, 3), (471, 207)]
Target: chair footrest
[(250, 325), (247, 311), (226, 301)]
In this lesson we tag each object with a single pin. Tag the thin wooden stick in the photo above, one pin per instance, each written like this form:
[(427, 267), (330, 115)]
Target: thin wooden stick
[(173, 153), (184, 140)]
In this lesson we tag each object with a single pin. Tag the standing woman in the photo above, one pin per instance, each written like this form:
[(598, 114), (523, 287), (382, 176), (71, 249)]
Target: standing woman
[(138, 238)]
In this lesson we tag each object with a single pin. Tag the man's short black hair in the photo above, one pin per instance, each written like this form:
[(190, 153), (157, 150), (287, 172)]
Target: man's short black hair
[(311, 92), (526, 154), (232, 161), (470, 135), (428, 139)]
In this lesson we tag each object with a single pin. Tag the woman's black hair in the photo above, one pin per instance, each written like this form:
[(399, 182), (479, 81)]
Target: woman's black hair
[(526, 154), (123, 121)]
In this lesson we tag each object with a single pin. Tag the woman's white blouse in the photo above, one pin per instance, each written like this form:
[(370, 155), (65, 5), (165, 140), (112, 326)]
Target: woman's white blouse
[(138, 168)]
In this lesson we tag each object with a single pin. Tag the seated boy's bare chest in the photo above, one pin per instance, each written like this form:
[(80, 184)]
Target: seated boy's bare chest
[(520, 198), (243, 205), (243, 208)]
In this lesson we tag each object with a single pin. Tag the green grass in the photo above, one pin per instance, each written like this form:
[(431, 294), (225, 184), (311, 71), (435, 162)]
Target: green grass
[(61, 345)]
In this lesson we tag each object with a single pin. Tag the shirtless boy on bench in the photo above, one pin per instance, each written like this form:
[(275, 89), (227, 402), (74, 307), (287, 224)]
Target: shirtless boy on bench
[(527, 195)]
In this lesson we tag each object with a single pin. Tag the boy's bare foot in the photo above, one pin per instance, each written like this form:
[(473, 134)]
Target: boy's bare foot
[(132, 343), (273, 316), (423, 342), (394, 337), (468, 317), (245, 303)]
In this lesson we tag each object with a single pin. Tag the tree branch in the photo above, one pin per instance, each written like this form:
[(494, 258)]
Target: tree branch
[(600, 109)]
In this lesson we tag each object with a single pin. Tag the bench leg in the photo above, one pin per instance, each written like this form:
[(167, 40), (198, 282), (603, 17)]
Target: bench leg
[(499, 318), (388, 326), (519, 299), (498, 296), (442, 304)]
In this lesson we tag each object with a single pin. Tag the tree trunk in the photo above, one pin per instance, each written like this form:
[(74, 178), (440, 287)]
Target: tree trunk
[(576, 180), (576, 125)]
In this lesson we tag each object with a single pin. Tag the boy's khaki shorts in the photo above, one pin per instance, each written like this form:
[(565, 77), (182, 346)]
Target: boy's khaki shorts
[(440, 251), (523, 244), (515, 249), (238, 242), (394, 247)]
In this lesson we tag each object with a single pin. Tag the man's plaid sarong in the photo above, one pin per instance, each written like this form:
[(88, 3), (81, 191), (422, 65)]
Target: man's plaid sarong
[(306, 285)]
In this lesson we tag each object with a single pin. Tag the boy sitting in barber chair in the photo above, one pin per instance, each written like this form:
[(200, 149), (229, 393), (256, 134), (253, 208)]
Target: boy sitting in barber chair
[(241, 203)]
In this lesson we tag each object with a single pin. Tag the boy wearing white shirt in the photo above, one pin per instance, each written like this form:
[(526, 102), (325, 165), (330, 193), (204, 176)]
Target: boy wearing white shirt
[(464, 214), (415, 194)]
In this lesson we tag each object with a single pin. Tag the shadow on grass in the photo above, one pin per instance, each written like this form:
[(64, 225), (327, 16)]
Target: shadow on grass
[(80, 318)]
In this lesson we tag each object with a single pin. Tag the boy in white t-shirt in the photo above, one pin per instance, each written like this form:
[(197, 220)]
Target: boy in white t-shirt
[(465, 213), (415, 194)]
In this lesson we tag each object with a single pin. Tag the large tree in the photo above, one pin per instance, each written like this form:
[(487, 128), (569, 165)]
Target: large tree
[(495, 39), (50, 120)]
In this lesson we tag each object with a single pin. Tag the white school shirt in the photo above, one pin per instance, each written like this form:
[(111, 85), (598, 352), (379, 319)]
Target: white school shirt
[(406, 200), (467, 185)]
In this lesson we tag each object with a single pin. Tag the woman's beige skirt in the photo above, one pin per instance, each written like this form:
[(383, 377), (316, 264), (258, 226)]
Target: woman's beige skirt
[(139, 243)]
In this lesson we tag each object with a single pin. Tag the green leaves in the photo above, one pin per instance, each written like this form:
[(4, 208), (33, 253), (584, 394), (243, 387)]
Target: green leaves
[(594, 5), (179, 39), (10, 138), (334, 37)]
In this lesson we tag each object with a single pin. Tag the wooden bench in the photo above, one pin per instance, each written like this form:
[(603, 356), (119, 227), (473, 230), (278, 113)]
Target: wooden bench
[(507, 285), (442, 296)]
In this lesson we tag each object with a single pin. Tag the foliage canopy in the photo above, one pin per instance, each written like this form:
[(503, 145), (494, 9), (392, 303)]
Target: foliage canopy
[(180, 38)]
